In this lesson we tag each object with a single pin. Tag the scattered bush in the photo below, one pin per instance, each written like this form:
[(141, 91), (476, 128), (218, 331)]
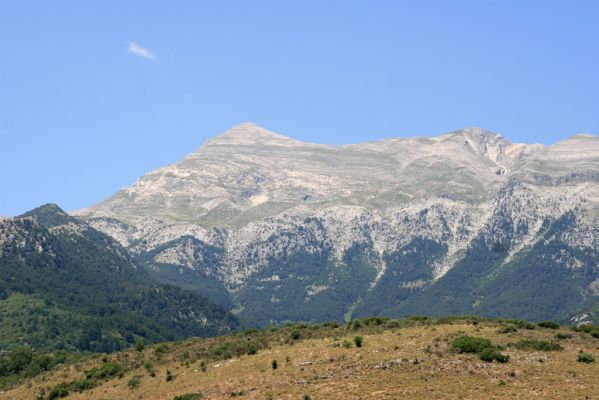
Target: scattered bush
[(149, 366), (392, 324), (295, 335), (469, 344), (134, 382), (358, 341), (508, 329), (107, 370), (347, 344), (591, 329), (585, 358), (538, 345), (489, 355), (563, 336), (274, 364), (548, 324), (521, 324), (189, 396)]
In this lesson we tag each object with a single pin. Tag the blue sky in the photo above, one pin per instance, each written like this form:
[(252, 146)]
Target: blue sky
[(95, 93)]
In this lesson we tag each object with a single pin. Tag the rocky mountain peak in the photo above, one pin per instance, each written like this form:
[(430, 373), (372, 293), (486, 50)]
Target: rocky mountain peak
[(249, 134), (49, 215)]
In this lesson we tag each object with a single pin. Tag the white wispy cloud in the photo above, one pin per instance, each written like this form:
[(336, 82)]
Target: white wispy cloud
[(139, 51)]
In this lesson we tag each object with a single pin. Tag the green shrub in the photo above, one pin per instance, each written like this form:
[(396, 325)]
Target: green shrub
[(489, 354), (392, 324), (356, 324), (64, 389), (548, 324), (358, 341), (60, 390), (539, 345), (107, 370), (469, 344), (295, 334), (149, 366), (274, 364), (591, 329), (347, 344), (585, 358), (189, 396), (563, 336), (508, 329), (252, 349), (521, 324), (134, 382)]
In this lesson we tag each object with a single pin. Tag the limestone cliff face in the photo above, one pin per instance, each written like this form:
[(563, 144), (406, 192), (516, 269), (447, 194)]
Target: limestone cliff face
[(275, 219)]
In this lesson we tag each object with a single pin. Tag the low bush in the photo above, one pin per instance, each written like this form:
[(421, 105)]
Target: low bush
[(548, 324), (538, 345), (189, 396), (489, 355), (469, 344), (522, 324), (107, 370), (508, 329), (591, 329), (392, 324), (585, 358), (134, 382), (563, 336)]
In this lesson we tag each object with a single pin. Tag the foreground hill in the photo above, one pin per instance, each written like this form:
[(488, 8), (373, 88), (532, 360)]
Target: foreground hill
[(462, 223), (409, 358), (65, 285)]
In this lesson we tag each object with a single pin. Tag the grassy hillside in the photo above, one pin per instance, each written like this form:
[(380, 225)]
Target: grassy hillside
[(413, 358)]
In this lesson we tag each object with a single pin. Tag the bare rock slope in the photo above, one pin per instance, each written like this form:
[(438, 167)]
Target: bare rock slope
[(465, 222)]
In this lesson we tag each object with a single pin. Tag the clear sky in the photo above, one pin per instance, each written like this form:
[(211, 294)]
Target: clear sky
[(95, 93)]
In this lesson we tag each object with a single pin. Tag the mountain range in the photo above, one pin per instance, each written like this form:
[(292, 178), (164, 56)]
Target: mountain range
[(277, 229)]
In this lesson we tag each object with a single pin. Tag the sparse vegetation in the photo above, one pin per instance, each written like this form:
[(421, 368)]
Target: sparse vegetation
[(189, 396), (548, 324), (313, 354), (563, 336), (134, 382), (483, 347), (489, 355), (585, 358), (508, 329), (538, 345)]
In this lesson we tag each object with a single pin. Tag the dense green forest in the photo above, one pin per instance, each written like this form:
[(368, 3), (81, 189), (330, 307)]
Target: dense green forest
[(64, 285)]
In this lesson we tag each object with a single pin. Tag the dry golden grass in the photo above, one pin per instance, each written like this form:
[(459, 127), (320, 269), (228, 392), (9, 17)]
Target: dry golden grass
[(384, 368)]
